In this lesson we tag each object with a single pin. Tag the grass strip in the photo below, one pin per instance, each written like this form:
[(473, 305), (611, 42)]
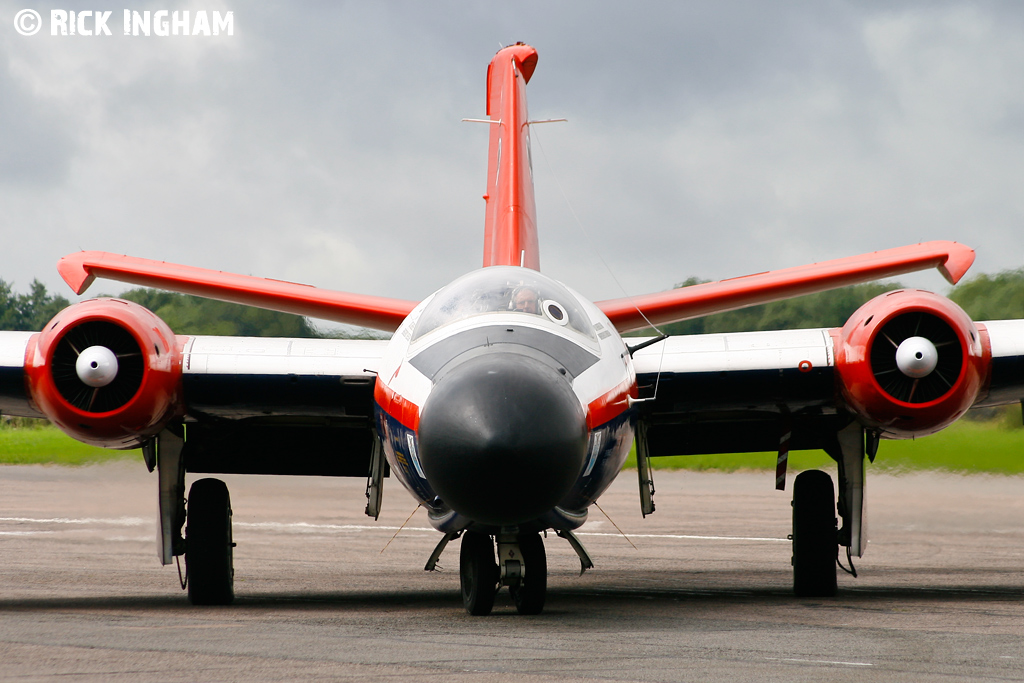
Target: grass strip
[(967, 446), (48, 445)]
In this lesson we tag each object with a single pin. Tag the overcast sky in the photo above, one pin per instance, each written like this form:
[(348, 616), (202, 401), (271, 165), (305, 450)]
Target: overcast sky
[(322, 142)]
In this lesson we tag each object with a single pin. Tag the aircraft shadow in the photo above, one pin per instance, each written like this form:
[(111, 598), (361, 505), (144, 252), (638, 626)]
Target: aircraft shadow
[(561, 600)]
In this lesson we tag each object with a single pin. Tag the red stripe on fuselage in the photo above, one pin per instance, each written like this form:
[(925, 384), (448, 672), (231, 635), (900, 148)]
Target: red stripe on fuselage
[(397, 406), (510, 230), (609, 406)]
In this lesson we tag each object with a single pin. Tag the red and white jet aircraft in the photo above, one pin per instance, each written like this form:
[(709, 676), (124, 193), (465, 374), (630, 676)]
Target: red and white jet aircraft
[(505, 402)]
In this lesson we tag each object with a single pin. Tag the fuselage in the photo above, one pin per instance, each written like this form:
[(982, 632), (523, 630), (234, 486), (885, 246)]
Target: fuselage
[(503, 400)]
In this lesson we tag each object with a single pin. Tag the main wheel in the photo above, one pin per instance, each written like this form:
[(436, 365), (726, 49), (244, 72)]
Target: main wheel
[(209, 556), (814, 535), (529, 595), (478, 573)]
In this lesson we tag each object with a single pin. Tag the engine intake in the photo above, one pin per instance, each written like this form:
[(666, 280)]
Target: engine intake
[(107, 372), (97, 366), (916, 357), (909, 363)]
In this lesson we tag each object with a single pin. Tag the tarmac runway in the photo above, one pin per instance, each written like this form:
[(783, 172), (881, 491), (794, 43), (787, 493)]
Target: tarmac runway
[(704, 596)]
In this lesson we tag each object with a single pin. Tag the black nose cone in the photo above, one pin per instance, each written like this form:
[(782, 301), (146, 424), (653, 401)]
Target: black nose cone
[(502, 438)]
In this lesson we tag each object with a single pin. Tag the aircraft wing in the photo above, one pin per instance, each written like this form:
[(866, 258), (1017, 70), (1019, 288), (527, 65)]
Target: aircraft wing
[(797, 389), (251, 405), (14, 398), (951, 258)]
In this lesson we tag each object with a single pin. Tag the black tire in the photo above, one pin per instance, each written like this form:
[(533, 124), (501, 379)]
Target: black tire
[(815, 542), (209, 556), (529, 595), (478, 573)]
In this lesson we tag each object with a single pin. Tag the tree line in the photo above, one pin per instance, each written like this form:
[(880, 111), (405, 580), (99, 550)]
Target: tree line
[(183, 313), (28, 311), (985, 297), (191, 315)]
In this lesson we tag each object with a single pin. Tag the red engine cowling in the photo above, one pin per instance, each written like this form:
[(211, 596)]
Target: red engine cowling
[(919, 394), (127, 388)]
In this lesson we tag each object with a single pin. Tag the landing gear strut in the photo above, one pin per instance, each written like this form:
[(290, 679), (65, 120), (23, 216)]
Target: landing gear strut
[(815, 542), (209, 556)]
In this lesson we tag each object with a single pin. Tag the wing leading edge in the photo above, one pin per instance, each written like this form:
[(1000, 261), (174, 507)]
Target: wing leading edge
[(950, 258), (381, 313)]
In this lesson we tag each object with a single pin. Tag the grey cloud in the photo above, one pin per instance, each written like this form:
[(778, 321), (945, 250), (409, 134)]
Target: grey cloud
[(35, 146), (322, 143)]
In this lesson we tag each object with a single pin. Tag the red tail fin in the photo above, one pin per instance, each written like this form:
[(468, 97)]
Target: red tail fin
[(510, 237)]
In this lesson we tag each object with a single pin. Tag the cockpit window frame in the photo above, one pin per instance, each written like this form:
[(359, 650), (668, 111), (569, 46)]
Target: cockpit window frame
[(493, 290)]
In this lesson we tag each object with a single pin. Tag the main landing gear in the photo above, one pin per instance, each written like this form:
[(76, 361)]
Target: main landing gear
[(523, 568), (815, 540), (209, 551), (207, 545)]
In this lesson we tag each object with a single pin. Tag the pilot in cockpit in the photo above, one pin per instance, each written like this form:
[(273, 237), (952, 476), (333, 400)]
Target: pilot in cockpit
[(524, 300)]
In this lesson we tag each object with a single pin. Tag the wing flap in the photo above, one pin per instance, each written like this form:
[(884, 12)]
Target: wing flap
[(257, 377), (739, 392), (81, 269), (950, 258), (259, 405), (742, 371)]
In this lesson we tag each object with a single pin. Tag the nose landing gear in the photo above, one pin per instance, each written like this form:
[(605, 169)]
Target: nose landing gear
[(531, 589), (523, 568), (478, 573)]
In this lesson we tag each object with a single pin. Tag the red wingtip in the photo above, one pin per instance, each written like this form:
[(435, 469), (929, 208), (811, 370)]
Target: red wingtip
[(72, 269), (960, 259)]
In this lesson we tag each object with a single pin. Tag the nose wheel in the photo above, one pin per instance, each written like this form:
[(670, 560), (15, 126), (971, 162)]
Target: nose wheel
[(478, 573), (531, 590)]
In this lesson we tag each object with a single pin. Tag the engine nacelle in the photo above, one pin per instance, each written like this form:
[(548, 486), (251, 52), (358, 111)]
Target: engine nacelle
[(107, 372), (909, 363)]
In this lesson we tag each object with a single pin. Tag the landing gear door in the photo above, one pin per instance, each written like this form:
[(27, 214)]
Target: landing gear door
[(171, 471), (851, 489), (643, 469)]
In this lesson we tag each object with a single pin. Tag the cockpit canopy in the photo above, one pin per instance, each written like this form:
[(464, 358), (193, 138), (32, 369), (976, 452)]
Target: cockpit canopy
[(504, 289)]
